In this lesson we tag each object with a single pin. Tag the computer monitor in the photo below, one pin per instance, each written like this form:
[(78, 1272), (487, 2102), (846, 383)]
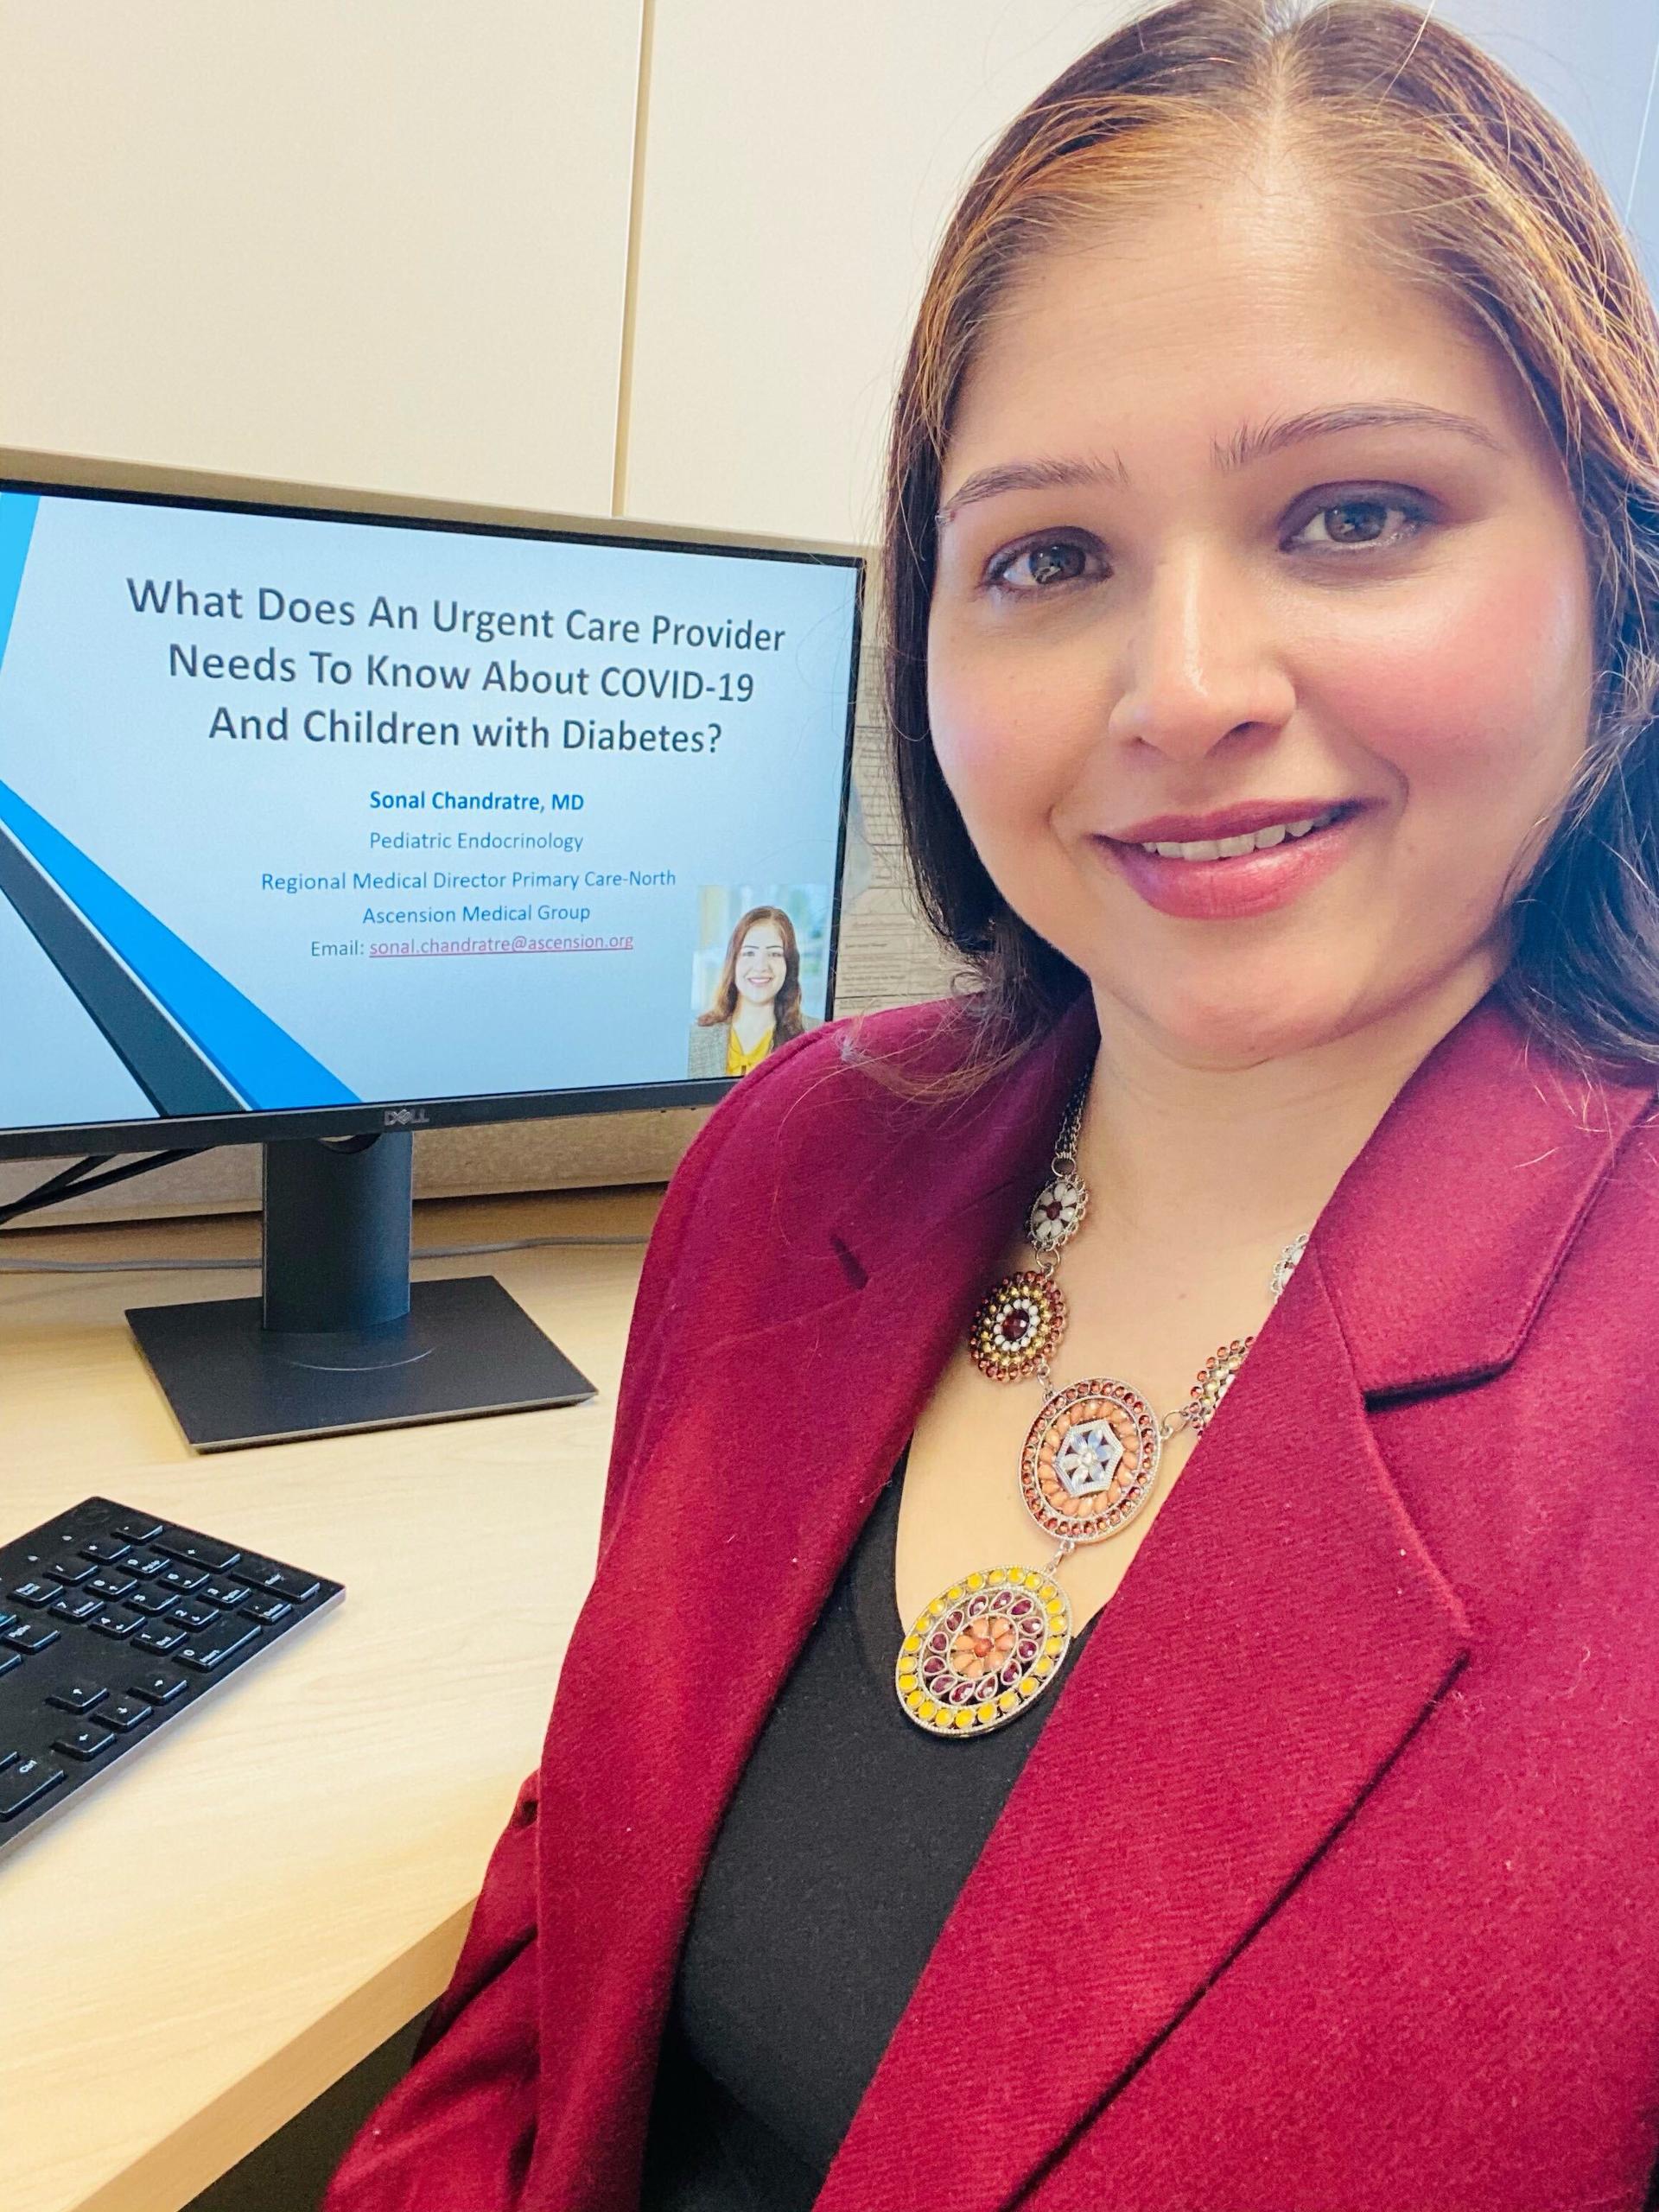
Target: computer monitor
[(318, 826)]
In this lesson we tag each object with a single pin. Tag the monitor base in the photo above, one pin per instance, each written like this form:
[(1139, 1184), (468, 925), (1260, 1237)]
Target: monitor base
[(466, 1347)]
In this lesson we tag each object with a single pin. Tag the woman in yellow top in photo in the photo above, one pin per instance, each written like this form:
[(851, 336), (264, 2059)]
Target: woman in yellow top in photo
[(757, 1003)]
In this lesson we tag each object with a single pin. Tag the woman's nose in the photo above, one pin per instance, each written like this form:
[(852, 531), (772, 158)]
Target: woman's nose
[(1198, 659)]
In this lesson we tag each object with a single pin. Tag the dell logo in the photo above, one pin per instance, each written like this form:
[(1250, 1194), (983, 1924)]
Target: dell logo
[(404, 1117)]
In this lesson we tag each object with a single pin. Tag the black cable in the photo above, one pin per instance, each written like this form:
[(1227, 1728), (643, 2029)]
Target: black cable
[(73, 1181), (57, 1186)]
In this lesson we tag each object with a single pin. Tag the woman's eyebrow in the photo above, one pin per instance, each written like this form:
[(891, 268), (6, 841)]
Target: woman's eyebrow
[(1251, 442)]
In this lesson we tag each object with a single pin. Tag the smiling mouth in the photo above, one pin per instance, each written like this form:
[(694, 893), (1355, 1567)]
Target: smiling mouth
[(1207, 851)]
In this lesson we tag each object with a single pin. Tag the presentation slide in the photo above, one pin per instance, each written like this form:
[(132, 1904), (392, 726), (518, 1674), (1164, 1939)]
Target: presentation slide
[(298, 813)]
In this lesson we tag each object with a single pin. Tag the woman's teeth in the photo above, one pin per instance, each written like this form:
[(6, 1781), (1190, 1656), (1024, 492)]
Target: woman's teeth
[(1232, 849)]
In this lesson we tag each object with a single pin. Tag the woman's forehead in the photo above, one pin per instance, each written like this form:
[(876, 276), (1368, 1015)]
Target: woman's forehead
[(1190, 323)]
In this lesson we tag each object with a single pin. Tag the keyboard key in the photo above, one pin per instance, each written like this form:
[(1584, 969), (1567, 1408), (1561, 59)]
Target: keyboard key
[(8, 1620), (9, 1758), (143, 1563), (9, 1660), (265, 1572), (24, 1782), (157, 1636), (192, 1612), (199, 1551), (137, 1531), (215, 1646), (250, 1567), (111, 1586), (73, 1608), (151, 1601), (104, 1547), (34, 1594), (224, 1593), (266, 1609), (68, 1570), (184, 1578), (76, 1696), (124, 1713), (85, 1742), (29, 1635), (115, 1622), (158, 1686)]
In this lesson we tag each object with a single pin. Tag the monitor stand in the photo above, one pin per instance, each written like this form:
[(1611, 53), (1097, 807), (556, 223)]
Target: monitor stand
[(341, 1338)]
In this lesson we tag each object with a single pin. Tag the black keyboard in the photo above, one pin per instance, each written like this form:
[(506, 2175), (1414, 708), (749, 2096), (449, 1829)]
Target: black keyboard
[(113, 1625)]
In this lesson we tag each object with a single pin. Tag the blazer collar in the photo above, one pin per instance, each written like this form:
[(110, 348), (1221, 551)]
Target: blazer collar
[(1279, 1636), (1440, 1241)]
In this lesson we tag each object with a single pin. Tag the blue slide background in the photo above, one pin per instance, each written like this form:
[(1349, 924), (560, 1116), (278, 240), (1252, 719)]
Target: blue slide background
[(158, 832)]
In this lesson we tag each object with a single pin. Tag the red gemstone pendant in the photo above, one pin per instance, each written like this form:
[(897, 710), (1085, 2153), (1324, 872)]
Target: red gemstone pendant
[(1018, 1326)]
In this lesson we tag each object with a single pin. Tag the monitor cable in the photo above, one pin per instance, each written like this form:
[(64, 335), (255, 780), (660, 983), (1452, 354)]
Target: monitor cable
[(79, 1178), (70, 1182)]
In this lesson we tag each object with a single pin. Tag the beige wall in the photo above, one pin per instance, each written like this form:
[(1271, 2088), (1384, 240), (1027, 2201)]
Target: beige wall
[(358, 242)]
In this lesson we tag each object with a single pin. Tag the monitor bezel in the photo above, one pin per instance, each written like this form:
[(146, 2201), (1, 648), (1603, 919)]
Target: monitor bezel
[(267, 1126)]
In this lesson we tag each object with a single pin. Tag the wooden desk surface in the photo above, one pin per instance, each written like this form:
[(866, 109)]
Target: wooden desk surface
[(213, 1938)]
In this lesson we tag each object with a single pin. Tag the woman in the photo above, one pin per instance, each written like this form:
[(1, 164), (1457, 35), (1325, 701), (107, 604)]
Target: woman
[(757, 1003), (959, 1790)]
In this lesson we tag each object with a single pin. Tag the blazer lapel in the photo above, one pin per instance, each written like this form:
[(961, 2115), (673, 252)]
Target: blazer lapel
[(1277, 1639)]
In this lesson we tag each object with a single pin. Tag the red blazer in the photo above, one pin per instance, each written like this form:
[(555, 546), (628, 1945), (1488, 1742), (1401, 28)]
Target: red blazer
[(1332, 1883)]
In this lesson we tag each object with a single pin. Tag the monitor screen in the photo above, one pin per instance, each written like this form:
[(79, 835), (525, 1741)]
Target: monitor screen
[(312, 823)]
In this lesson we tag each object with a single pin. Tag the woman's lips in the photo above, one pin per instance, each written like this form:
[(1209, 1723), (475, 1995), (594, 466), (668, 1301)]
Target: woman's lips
[(1225, 890)]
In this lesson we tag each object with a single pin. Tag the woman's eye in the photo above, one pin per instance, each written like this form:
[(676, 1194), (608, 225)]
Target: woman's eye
[(1049, 558), (1360, 522)]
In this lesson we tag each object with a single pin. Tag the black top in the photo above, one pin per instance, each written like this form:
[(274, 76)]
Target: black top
[(847, 1840)]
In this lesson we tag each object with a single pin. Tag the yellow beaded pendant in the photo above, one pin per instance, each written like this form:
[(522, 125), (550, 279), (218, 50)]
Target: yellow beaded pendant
[(983, 1650)]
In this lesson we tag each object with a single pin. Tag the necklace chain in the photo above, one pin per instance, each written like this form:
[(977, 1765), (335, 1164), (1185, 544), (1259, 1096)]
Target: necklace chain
[(992, 1642), (1054, 1218)]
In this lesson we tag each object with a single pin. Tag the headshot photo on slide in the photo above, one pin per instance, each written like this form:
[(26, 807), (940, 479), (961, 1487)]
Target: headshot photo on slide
[(759, 973)]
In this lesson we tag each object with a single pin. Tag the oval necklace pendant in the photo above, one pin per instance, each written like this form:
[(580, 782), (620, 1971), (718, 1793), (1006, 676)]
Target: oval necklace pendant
[(1091, 1460), (983, 1650)]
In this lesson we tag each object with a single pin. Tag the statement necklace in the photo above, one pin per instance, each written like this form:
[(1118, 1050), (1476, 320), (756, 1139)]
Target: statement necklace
[(988, 1647)]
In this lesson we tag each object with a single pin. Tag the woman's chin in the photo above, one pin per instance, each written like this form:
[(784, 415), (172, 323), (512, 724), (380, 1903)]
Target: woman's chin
[(1239, 1027)]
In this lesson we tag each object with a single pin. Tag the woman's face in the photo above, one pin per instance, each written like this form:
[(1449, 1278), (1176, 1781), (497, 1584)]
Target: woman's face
[(761, 965), (1393, 618)]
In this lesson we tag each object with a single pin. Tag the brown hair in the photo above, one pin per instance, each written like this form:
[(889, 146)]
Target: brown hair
[(1487, 200), (786, 1006)]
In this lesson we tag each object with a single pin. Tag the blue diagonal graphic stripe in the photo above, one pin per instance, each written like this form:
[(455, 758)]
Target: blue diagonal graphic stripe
[(256, 1055), (17, 510)]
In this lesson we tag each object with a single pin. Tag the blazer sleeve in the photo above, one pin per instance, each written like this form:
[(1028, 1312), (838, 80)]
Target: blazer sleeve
[(456, 2134)]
